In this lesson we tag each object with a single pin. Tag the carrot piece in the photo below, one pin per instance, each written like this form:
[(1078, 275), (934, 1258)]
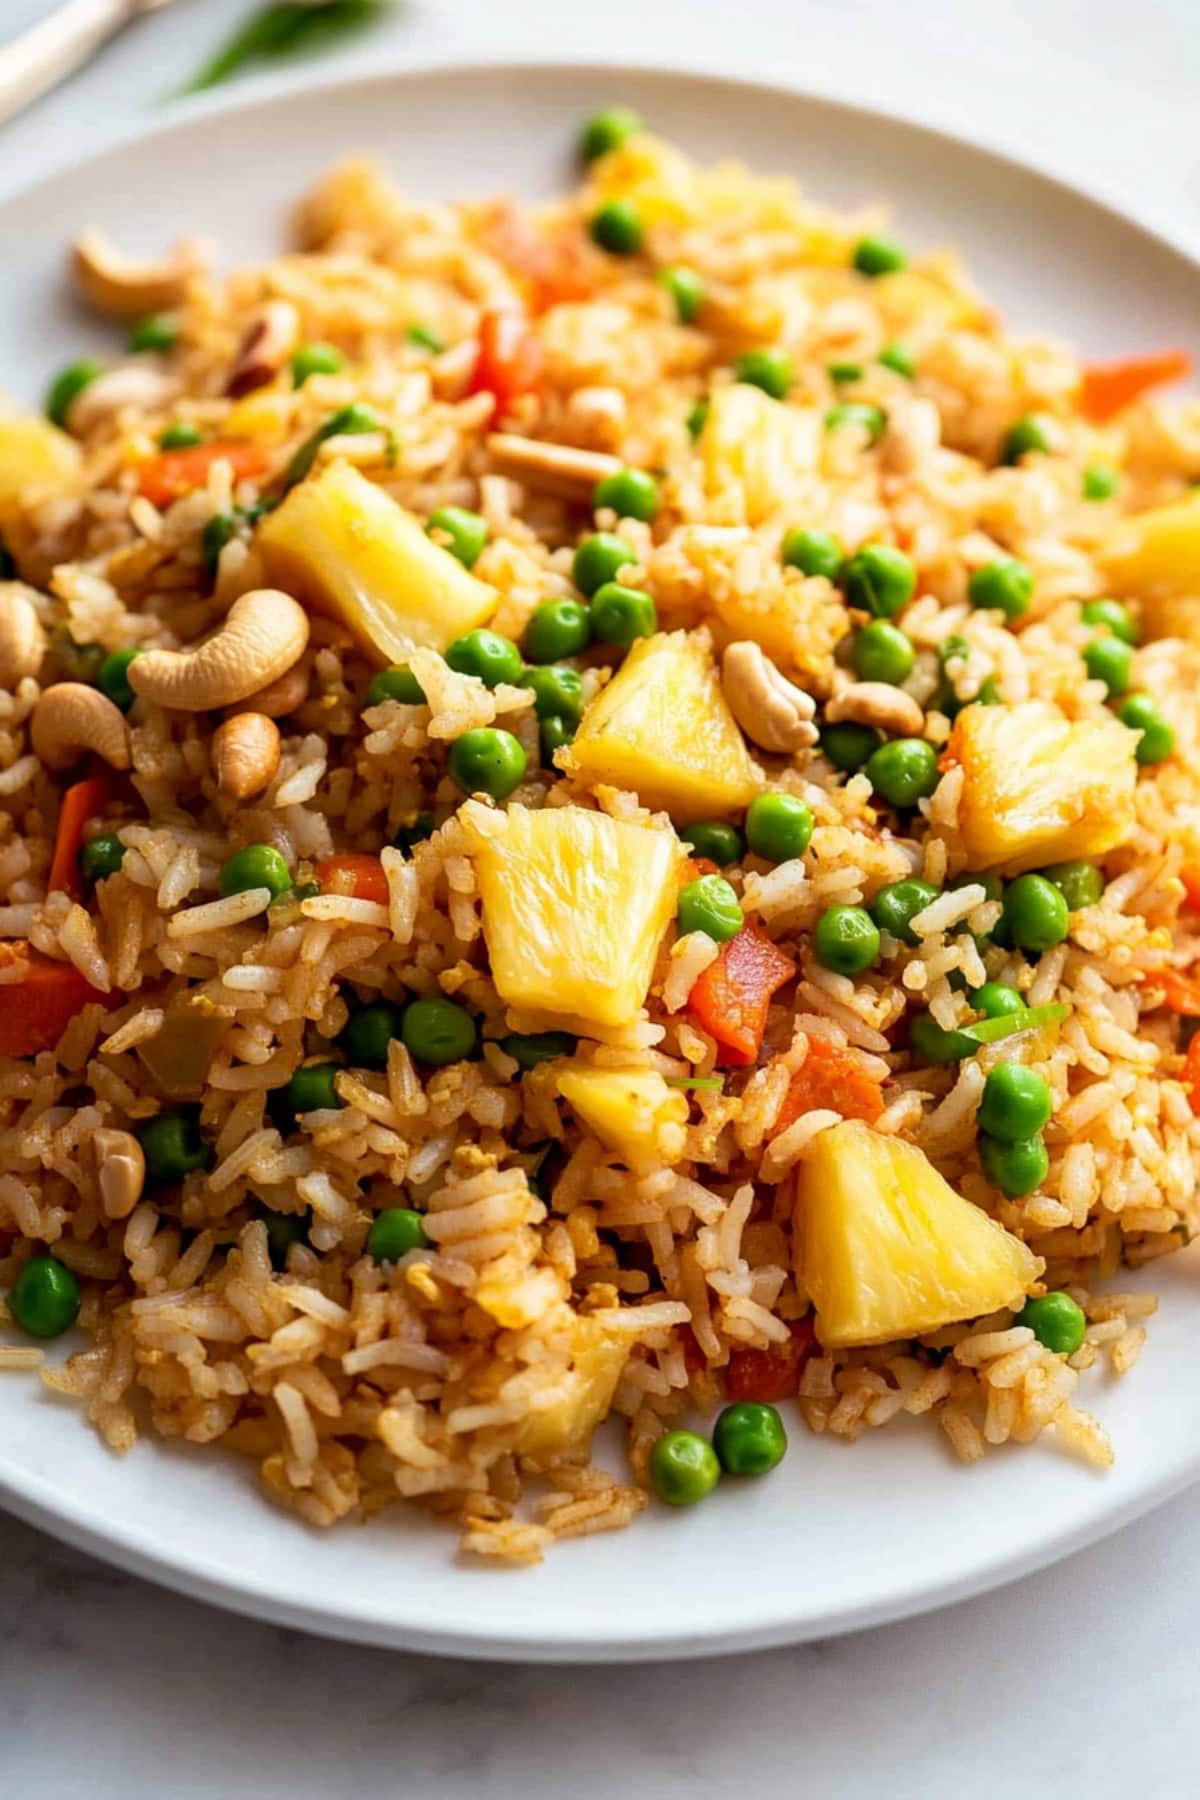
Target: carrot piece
[(509, 364), (548, 268), (1190, 877), (36, 1010), (1190, 1073), (730, 999), (81, 802), (165, 477), (772, 1374), (1107, 388), (1181, 991), (370, 882), (830, 1076)]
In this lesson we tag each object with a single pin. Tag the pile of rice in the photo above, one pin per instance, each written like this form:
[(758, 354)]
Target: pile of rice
[(350, 1384)]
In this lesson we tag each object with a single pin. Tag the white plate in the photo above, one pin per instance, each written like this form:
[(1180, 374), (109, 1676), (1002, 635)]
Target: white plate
[(839, 1537)]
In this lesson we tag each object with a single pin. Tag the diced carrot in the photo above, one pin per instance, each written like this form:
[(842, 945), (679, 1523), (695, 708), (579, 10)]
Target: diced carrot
[(1190, 877), (730, 999), (1190, 1073), (1181, 991), (370, 882), (1107, 388), (36, 1010), (830, 1076), (549, 269), (509, 364), (81, 802), (772, 1374), (165, 477)]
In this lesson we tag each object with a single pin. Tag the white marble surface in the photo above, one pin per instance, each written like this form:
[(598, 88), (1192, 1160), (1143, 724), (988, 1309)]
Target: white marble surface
[(1086, 1675)]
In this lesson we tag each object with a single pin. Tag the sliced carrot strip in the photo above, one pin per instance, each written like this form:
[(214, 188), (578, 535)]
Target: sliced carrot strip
[(830, 1076), (36, 1010), (370, 882), (81, 802), (731, 998), (1108, 388), (509, 364), (164, 478)]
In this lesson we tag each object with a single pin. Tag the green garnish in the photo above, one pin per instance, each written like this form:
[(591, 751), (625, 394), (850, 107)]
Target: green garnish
[(1006, 1025), (282, 30), (712, 1082)]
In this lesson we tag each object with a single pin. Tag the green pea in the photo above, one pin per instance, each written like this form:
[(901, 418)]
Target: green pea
[(1017, 1168), (438, 1031), (846, 940), (617, 228), (397, 683), (557, 628), (882, 652), (954, 648), (1028, 434), (987, 879), (607, 130), (487, 761), (598, 559), (989, 692), (697, 418), (621, 615), (897, 905), (710, 905), (1056, 1321), (312, 1089), (303, 890), (315, 359), (1080, 883), (1036, 913), (158, 331), (394, 1232), (1113, 614), (423, 339), (713, 838), (528, 1049), (931, 1043), (283, 1230), (256, 866), (879, 579), (221, 528), (368, 1032), (631, 493), (779, 827), (66, 388), (813, 552), (1016, 1102), (849, 746), (417, 832), (487, 655), (112, 678), (878, 255), (749, 1438), (1110, 660), (841, 373), (1003, 585), (557, 690), (997, 1000), (44, 1299), (182, 435), (1141, 713), (101, 857), (686, 289), (173, 1145), (903, 771), (864, 413), (355, 420), (770, 370), (1099, 482), (899, 359), (683, 1468), (554, 732), (467, 531)]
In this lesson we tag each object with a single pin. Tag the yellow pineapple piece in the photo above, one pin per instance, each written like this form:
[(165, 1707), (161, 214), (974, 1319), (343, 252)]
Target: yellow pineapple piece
[(1155, 556), (1040, 788), (631, 1111), (890, 1250), (597, 1359), (574, 908), (35, 458), (662, 728), (757, 447), (264, 415), (344, 547)]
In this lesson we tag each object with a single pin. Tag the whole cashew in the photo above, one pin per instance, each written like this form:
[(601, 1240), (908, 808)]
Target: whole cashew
[(245, 754), (125, 289), (772, 711), (279, 698), (70, 720), (121, 1169), (876, 703), (273, 335), (263, 634), (22, 640)]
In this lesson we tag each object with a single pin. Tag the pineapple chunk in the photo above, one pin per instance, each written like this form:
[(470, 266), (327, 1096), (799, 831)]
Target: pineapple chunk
[(597, 1360), (344, 547), (662, 727), (574, 908), (631, 1111), (1039, 789), (34, 456), (1156, 557), (757, 447), (890, 1250), (264, 416)]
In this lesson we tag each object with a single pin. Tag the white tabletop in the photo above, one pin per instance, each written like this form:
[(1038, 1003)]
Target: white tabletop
[(1085, 1675)]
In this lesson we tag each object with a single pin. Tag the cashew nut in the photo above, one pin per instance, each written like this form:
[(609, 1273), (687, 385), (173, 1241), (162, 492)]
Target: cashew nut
[(877, 703), (22, 640), (121, 1169), (273, 335), (561, 469), (281, 697), (597, 415), (263, 634), (245, 754), (70, 720), (132, 384), (772, 711), (125, 289)]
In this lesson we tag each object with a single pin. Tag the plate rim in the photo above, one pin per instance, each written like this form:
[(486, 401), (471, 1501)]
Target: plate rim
[(30, 1496)]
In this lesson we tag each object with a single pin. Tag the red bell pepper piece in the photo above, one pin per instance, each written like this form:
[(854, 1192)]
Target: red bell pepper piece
[(510, 358)]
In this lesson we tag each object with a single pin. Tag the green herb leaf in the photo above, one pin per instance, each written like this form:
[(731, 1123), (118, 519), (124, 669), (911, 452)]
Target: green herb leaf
[(280, 30)]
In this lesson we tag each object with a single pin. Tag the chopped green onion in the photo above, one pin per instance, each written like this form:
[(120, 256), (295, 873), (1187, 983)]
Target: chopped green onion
[(1030, 1018), (712, 1082)]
